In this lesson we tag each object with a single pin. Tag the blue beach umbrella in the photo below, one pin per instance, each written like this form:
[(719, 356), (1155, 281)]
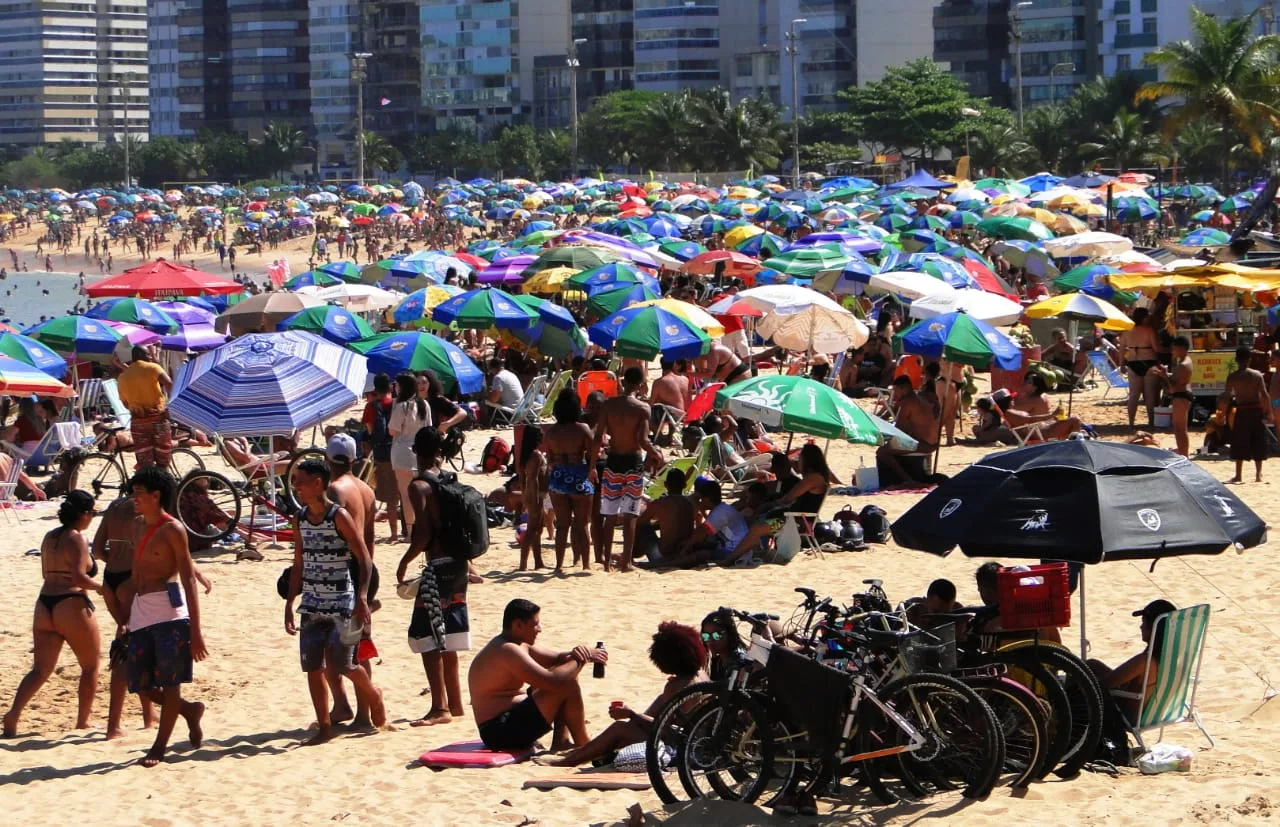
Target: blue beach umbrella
[(395, 353)]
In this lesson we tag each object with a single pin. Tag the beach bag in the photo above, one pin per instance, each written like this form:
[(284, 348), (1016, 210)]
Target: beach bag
[(464, 517), (495, 456), (380, 437), (451, 443), (787, 542), (875, 524)]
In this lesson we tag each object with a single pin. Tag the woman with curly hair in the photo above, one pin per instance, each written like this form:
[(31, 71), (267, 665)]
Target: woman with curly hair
[(678, 652)]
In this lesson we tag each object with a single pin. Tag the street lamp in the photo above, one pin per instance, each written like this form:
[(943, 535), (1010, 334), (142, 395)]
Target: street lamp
[(1066, 69), (360, 62), (794, 51), (126, 80), (1016, 28), (572, 62), (968, 112)]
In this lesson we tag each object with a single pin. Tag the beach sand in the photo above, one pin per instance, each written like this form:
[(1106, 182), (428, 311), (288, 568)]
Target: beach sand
[(251, 769)]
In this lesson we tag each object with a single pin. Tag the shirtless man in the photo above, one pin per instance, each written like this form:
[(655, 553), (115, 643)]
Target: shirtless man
[(721, 365), (917, 418), (1253, 410), (949, 385), (665, 525), (1179, 379), (512, 718), (625, 420), (112, 545), (671, 390), (1032, 405), (355, 495), (165, 637)]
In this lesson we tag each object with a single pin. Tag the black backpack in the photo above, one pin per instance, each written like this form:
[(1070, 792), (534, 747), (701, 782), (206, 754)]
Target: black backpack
[(875, 524), (464, 518), (381, 437)]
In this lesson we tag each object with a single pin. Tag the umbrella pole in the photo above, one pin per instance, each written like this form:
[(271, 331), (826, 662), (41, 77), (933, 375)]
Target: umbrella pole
[(1073, 332), (938, 442), (1084, 641)]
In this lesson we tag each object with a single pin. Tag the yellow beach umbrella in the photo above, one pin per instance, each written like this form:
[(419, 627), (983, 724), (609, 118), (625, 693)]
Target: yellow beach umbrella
[(549, 280), (691, 313), (1064, 224), (1082, 307), (1036, 214), (740, 234)]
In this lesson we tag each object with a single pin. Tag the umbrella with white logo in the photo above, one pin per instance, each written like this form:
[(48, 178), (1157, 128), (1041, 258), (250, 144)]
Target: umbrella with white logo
[(1082, 501)]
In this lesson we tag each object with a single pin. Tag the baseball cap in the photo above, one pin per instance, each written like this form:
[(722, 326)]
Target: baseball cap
[(341, 446), (1154, 609)]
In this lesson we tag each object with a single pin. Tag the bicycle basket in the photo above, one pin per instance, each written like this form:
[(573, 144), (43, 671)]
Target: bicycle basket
[(929, 650)]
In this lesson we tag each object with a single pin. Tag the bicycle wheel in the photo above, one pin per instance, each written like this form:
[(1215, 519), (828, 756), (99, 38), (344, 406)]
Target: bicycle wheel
[(728, 751), (209, 506), (286, 484), (184, 461), (1084, 695), (963, 746), (1025, 725), (665, 747), (1053, 699), (99, 474)]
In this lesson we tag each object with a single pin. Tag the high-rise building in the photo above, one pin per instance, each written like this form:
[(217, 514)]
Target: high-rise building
[(1129, 29), (603, 32), (677, 44), (751, 51), (66, 71), (333, 30), (971, 39)]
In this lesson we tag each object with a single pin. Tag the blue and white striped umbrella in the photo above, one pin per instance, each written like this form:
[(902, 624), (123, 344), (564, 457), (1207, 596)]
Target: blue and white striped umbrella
[(267, 383)]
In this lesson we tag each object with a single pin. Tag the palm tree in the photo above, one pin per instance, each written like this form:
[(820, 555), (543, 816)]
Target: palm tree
[(379, 154), (1123, 142), (284, 144), (194, 158), (1195, 147), (744, 135), (999, 148), (1046, 130), (1228, 74), (669, 121)]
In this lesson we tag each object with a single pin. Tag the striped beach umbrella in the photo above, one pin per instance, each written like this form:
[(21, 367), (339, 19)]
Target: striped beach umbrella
[(33, 353), (267, 383), (20, 379)]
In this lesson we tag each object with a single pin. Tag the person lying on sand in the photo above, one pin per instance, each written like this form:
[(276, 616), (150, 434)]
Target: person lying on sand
[(678, 652), (513, 718)]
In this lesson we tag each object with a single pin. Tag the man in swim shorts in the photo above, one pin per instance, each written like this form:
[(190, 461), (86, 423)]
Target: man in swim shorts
[(511, 717), (625, 421), (1253, 410)]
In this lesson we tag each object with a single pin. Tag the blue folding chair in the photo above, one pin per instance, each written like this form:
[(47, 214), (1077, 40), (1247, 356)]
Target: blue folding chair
[(1110, 373)]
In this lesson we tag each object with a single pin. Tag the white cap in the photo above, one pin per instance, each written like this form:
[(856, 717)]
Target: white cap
[(341, 446)]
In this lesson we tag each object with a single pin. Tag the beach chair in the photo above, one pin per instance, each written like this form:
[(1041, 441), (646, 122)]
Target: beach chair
[(703, 401), (657, 486), (89, 399), (504, 417), (553, 390), (1111, 374), (910, 365), (804, 523), (604, 381), (9, 489), (38, 456), (260, 468), (740, 474), (111, 393), (836, 367), (1026, 433), (1173, 699)]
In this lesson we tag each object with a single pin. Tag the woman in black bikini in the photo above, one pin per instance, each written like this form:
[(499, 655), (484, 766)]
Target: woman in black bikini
[(1138, 350), (63, 611)]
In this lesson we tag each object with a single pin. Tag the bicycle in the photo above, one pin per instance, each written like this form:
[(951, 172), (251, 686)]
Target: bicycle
[(105, 475)]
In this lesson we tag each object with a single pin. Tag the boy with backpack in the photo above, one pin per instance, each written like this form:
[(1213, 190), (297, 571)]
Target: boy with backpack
[(451, 528), (377, 416)]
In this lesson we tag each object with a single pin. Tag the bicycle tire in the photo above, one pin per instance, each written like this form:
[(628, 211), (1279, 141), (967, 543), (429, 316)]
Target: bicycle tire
[(286, 484), (101, 475), (965, 746), (1041, 682), (664, 747), (1024, 722), (1084, 695), (734, 739), (184, 461), (202, 493)]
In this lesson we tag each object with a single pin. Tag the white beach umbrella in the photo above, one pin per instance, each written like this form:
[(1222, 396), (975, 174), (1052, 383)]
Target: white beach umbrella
[(979, 304), (909, 284), (1087, 244)]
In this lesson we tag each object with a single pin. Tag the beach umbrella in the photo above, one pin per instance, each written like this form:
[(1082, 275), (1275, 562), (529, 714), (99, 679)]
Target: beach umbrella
[(761, 244), (691, 313), (649, 332), (1028, 255), (991, 308), (609, 276), (807, 262), (1205, 237), (134, 334), (1237, 203), (1131, 210), (1087, 245), (261, 313), (33, 353), (482, 309), (802, 405), (800, 319), (312, 278), (551, 280), (578, 257), (327, 321), (735, 264), (358, 298), (1016, 228), (160, 279), (267, 383), (893, 222), (908, 284), (508, 270), (395, 353), (922, 241), (1081, 307), (681, 250), (75, 334), (957, 337), (134, 311), (963, 218), (607, 302), (544, 338), (17, 378), (194, 337), (417, 306), (344, 270), (1092, 279)]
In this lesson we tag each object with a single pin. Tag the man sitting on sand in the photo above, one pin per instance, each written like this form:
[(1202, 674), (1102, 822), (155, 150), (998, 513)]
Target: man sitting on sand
[(918, 419), (665, 524), (511, 717)]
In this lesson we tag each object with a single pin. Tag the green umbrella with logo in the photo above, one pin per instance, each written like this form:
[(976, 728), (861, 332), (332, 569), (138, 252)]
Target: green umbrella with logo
[(803, 405)]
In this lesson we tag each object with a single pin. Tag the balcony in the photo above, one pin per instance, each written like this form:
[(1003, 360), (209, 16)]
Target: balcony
[(1136, 40)]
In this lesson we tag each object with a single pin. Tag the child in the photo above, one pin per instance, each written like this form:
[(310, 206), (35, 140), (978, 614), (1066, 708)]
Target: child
[(1217, 430), (532, 470)]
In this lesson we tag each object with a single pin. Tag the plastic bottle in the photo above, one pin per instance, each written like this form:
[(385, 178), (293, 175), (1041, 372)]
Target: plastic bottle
[(597, 668)]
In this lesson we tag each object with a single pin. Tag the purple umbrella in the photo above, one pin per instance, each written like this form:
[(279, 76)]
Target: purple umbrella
[(619, 246), (194, 337), (135, 334), (186, 313), (505, 270), (850, 241)]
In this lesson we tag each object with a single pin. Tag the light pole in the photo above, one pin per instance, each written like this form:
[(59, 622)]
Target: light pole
[(1066, 69), (572, 62), (968, 112), (360, 62), (126, 80), (794, 51), (1017, 53)]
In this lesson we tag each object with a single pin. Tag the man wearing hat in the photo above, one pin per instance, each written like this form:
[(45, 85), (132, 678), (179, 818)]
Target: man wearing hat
[(1129, 676)]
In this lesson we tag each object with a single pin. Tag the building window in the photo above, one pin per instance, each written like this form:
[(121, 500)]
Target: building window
[(743, 67), (1122, 27), (1122, 6), (1149, 5), (1149, 25), (1123, 63)]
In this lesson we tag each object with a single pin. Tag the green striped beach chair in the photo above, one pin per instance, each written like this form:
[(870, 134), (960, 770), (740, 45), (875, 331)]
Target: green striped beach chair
[(543, 412), (1172, 700)]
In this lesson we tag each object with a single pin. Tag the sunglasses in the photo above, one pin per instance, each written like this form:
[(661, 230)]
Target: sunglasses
[(709, 636)]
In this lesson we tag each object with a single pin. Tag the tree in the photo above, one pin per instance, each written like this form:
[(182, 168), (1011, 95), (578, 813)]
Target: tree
[(1228, 74), (669, 117), (35, 169), (555, 150), (1045, 130), (159, 160), (1124, 142), (1000, 148), (379, 154), (517, 149), (822, 153), (226, 156), (617, 128), (284, 145), (745, 135), (1196, 147), (914, 110)]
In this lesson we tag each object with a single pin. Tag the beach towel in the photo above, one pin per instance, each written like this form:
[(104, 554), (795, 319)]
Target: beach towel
[(471, 755)]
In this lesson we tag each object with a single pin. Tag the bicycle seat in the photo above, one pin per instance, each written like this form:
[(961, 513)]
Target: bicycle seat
[(876, 583), (113, 429), (881, 639)]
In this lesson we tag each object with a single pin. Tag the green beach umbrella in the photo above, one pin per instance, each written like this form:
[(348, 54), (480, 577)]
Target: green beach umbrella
[(345, 270), (808, 262), (649, 332), (608, 302), (802, 405), (1014, 227), (395, 353), (135, 311), (539, 237), (484, 308), (334, 323), (579, 258)]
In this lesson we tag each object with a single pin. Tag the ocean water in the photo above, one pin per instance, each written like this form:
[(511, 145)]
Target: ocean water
[(25, 297)]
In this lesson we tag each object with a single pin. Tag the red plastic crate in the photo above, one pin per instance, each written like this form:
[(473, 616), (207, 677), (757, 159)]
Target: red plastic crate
[(1036, 598)]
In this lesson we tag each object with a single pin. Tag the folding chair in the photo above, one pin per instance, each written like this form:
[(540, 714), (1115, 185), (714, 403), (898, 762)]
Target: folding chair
[(9, 489), (89, 398), (1026, 433), (40, 455), (604, 381), (804, 524), (553, 390), (111, 392), (836, 367), (503, 416), (703, 401), (657, 486), (1173, 699), (1112, 375)]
